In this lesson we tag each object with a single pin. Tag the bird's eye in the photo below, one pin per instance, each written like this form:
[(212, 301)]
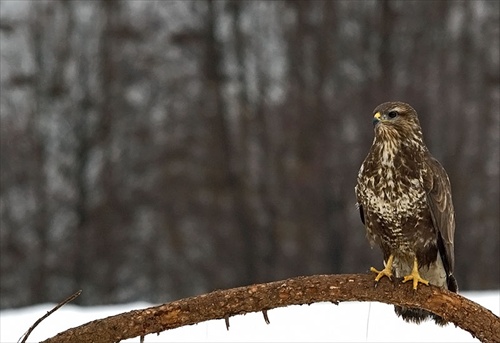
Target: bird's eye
[(392, 114)]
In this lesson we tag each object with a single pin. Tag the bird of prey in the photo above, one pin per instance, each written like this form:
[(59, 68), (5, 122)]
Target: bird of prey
[(404, 199)]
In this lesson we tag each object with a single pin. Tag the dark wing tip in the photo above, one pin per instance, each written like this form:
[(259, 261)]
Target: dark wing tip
[(452, 283), (361, 213)]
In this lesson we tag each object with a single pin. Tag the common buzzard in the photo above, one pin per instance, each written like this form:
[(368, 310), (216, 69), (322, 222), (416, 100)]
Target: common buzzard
[(404, 199)]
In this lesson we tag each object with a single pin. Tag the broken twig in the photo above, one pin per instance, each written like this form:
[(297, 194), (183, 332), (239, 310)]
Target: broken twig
[(25, 336)]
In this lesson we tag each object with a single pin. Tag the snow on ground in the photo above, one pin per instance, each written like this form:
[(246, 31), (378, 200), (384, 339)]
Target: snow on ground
[(320, 322)]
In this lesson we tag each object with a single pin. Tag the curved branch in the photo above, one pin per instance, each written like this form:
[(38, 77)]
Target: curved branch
[(477, 320)]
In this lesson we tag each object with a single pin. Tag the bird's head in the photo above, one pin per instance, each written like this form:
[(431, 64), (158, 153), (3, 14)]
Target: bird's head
[(395, 118)]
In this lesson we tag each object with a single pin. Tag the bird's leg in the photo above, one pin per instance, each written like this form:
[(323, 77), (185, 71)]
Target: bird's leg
[(415, 276), (387, 271)]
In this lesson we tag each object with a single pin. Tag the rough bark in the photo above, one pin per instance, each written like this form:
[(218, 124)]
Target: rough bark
[(480, 322)]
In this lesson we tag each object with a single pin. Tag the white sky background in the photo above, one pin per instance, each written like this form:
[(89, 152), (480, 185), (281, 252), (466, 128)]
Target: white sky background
[(320, 322)]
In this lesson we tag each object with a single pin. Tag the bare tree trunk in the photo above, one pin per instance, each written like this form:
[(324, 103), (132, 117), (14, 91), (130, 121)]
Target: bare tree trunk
[(480, 322)]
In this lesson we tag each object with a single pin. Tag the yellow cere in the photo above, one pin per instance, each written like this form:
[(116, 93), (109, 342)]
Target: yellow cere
[(377, 115)]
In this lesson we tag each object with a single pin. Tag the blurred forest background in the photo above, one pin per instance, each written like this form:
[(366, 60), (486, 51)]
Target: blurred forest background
[(152, 150)]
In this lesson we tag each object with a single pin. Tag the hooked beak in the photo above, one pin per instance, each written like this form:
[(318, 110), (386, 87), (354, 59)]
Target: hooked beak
[(377, 118)]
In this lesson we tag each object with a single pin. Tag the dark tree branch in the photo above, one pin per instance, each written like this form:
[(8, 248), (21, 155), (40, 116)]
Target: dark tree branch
[(480, 322), (72, 297)]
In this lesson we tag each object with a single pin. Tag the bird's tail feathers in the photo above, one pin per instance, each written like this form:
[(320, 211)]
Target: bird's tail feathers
[(416, 315)]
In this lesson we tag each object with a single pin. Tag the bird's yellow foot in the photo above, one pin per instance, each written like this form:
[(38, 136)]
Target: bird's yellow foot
[(381, 273), (415, 276), (387, 271)]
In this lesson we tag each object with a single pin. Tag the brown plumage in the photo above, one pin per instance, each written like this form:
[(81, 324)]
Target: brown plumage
[(404, 199)]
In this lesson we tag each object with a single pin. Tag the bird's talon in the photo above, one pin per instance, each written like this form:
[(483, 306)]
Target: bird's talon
[(381, 273), (415, 276), (387, 271)]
